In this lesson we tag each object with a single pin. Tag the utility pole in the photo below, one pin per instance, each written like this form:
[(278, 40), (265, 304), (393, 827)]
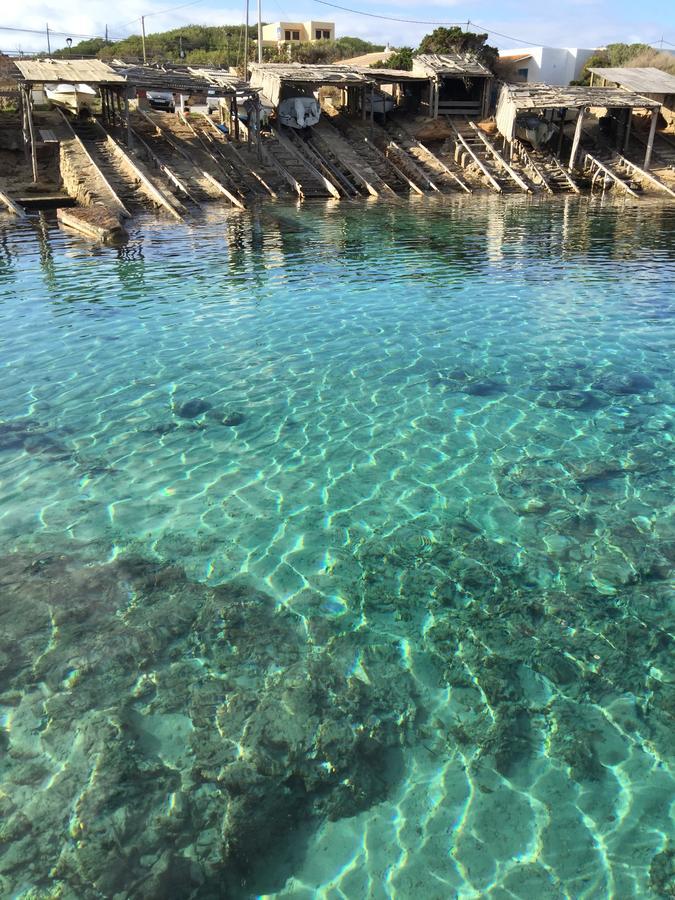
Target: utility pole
[(259, 31), (49, 46), (145, 58), (246, 45), (106, 35)]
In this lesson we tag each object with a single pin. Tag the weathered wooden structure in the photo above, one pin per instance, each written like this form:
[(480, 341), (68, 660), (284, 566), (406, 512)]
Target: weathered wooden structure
[(112, 88), (459, 84), (278, 81), (650, 82), (553, 104)]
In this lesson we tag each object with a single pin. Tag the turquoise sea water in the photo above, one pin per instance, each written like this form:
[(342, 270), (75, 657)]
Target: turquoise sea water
[(337, 554)]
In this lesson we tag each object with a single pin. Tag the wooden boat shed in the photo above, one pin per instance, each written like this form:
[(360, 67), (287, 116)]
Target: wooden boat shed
[(554, 103), (278, 81), (648, 81), (38, 72), (459, 84)]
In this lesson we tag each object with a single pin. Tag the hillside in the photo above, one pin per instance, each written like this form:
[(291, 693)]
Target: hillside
[(221, 45)]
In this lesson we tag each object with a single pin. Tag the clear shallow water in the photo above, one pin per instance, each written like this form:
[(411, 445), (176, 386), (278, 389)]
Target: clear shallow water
[(386, 612)]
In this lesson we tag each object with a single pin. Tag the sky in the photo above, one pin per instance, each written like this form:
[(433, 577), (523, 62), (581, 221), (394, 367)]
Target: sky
[(510, 23)]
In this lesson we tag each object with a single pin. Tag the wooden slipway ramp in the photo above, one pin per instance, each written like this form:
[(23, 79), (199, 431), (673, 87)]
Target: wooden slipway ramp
[(361, 143), (295, 167), (432, 171), (131, 181), (184, 169), (475, 151), (544, 170), (236, 160)]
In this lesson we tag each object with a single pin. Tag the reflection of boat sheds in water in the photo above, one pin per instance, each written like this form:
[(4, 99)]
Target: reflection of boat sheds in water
[(299, 112), (75, 97)]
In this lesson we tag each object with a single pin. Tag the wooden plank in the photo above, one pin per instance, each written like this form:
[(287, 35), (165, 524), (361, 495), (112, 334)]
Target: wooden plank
[(417, 171), (577, 138), (205, 147), (521, 150), (93, 221), (31, 130), (11, 205), (650, 139), (349, 159), (595, 163), (448, 171), (479, 162), (647, 175), (500, 159), (116, 202), (287, 145), (223, 190), (162, 166), (388, 160), (152, 190), (241, 161), (270, 160), (562, 171)]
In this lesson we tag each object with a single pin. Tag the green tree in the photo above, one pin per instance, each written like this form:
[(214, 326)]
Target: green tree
[(454, 40), (612, 56), (400, 59)]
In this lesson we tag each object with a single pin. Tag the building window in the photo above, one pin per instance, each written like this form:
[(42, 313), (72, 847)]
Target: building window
[(522, 73), (287, 35), (296, 35), (322, 35)]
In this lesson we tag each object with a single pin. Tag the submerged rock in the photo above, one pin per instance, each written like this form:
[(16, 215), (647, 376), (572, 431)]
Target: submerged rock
[(227, 417), (626, 383), (192, 408), (187, 729)]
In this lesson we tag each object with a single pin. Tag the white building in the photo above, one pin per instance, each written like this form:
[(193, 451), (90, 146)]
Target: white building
[(546, 65)]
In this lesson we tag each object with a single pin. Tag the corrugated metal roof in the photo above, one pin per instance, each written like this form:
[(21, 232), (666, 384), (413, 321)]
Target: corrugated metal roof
[(546, 96), (644, 80), (81, 71), (459, 64)]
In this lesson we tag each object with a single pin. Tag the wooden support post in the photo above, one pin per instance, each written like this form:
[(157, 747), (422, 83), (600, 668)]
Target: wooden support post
[(258, 138), (577, 138), (31, 130), (372, 109), (650, 139), (127, 119), (431, 98), (363, 103), (561, 136), (24, 125), (629, 121)]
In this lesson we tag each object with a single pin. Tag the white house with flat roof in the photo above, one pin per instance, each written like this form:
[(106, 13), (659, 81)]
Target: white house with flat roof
[(545, 65)]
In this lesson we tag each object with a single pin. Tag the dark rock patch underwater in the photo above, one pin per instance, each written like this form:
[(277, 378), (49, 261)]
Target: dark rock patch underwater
[(163, 736)]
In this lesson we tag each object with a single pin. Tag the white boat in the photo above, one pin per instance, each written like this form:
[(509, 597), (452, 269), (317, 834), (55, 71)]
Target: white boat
[(71, 96), (535, 129), (299, 112), (381, 103)]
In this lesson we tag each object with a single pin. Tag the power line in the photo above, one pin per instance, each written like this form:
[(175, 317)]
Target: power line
[(507, 36), (358, 12), (42, 31), (174, 8)]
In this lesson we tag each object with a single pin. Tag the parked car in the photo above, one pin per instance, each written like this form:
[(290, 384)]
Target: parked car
[(161, 100)]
